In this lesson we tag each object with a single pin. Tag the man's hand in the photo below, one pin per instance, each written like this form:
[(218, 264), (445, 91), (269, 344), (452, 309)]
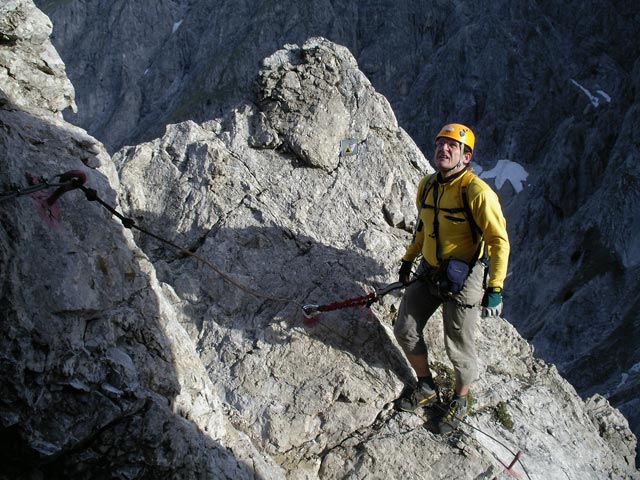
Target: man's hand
[(492, 302), (404, 275)]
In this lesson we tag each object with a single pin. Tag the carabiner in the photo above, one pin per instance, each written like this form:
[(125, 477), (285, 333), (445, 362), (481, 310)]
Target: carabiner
[(310, 311)]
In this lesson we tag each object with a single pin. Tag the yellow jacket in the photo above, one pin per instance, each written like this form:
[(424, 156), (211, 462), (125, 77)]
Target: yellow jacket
[(454, 232)]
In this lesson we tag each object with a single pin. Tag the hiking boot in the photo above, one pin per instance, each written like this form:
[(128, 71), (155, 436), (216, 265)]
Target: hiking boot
[(458, 409), (423, 396)]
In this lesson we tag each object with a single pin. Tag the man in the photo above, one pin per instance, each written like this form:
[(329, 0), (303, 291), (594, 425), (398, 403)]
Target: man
[(447, 230)]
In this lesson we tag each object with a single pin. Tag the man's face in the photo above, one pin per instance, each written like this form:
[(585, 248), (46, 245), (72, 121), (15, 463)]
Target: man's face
[(448, 152)]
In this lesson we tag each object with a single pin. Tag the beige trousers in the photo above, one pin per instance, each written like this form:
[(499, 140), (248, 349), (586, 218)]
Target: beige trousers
[(461, 313)]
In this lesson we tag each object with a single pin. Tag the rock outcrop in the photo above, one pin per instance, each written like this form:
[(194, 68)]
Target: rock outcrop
[(124, 357), (32, 71)]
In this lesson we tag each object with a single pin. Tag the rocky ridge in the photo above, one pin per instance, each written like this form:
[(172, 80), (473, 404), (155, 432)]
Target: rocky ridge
[(123, 358)]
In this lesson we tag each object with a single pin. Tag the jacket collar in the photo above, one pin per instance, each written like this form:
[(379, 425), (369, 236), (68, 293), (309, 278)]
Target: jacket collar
[(453, 177)]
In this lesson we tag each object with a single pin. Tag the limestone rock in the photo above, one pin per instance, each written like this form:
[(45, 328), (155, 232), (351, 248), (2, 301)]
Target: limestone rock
[(123, 356), (31, 71), (95, 368), (343, 107)]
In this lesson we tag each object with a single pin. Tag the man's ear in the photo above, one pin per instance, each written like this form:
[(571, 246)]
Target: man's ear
[(467, 157)]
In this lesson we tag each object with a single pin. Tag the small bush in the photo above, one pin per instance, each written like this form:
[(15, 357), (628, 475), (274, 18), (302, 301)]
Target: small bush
[(502, 416)]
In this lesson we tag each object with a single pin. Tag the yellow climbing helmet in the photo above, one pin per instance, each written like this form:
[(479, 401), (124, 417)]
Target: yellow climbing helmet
[(458, 132)]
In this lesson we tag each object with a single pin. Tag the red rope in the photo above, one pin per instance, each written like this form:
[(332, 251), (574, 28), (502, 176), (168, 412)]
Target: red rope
[(350, 302)]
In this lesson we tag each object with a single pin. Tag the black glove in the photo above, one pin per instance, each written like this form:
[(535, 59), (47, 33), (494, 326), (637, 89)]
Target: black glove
[(404, 275)]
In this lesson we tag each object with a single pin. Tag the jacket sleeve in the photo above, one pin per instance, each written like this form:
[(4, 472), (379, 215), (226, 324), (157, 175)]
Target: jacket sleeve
[(415, 247), (488, 215)]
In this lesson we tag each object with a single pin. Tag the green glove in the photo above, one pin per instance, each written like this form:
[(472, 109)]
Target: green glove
[(492, 302)]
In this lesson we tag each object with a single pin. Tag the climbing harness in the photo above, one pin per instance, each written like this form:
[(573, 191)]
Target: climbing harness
[(432, 184), (452, 272)]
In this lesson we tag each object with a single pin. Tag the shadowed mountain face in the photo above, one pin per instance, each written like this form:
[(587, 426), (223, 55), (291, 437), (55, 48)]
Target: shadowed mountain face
[(127, 357)]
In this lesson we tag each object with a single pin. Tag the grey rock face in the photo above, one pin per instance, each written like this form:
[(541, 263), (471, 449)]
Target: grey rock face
[(32, 73), (343, 107), (125, 357), (94, 365)]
